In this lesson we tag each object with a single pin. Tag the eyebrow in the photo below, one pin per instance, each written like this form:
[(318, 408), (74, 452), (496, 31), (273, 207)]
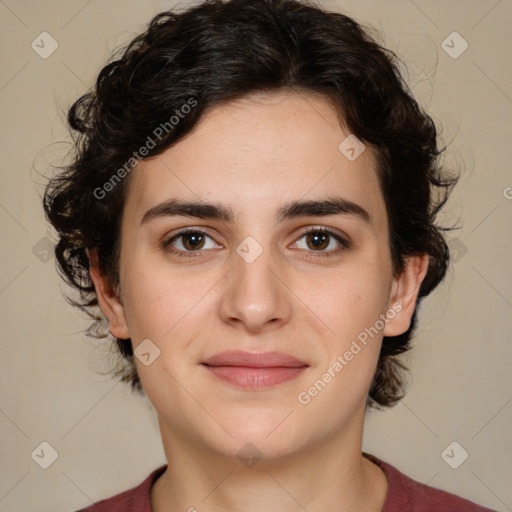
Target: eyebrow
[(294, 209)]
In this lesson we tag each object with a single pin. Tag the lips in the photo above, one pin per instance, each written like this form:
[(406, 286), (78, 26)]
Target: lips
[(253, 360), (254, 370)]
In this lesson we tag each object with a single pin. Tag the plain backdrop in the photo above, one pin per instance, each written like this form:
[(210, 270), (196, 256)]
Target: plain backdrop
[(105, 438)]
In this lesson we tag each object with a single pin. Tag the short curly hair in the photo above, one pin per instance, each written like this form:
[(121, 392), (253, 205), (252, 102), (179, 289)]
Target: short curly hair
[(218, 51)]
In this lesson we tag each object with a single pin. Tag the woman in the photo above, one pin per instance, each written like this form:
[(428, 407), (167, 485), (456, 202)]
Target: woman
[(252, 206)]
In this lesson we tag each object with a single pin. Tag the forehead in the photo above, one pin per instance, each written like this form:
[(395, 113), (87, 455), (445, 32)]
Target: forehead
[(257, 153)]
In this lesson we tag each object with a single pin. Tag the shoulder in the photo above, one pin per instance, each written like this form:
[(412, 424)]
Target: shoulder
[(406, 494), (136, 499)]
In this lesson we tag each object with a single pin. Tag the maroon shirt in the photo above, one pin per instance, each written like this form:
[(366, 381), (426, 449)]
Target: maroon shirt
[(404, 495)]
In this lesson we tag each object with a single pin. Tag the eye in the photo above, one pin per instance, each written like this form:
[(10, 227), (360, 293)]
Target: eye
[(189, 241), (322, 241)]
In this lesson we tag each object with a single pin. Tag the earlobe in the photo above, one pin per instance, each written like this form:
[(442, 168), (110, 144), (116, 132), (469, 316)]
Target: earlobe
[(404, 294), (108, 301)]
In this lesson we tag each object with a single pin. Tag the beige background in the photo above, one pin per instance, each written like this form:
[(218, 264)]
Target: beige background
[(107, 440)]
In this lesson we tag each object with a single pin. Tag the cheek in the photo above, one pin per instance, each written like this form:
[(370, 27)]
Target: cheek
[(156, 301), (350, 304), (349, 299)]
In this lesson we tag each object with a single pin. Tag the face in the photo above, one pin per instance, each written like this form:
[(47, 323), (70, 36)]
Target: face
[(285, 252)]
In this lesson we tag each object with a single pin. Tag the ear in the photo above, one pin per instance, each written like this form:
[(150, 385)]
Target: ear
[(109, 303), (404, 293)]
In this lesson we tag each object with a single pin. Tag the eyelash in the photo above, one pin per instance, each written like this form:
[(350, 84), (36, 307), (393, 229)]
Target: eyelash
[(345, 244)]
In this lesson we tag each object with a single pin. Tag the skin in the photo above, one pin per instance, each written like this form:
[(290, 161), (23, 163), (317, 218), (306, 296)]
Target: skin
[(253, 155)]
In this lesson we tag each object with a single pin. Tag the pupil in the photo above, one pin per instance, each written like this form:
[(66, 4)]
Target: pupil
[(193, 240), (319, 239)]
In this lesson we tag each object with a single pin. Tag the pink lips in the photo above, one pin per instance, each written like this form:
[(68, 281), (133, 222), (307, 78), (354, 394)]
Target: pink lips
[(254, 371)]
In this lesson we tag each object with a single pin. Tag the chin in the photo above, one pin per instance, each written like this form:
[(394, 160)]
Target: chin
[(262, 434)]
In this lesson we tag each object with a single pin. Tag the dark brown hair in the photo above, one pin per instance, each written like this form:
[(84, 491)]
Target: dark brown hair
[(219, 51)]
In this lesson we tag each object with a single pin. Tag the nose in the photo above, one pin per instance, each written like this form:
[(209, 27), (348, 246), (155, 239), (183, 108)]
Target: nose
[(255, 296)]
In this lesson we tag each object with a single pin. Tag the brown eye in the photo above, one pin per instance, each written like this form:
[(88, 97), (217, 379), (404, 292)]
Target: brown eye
[(188, 242), (321, 242), (317, 240), (193, 241)]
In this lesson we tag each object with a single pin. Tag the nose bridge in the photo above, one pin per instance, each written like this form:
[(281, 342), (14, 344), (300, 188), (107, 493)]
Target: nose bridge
[(254, 294)]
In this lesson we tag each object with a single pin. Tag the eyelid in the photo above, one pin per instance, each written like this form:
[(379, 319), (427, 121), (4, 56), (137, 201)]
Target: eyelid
[(167, 241), (342, 239)]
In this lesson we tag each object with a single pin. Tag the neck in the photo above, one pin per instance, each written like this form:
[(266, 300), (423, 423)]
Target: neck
[(330, 476)]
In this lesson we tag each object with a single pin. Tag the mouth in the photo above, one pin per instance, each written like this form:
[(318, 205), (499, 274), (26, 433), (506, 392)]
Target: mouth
[(254, 371)]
